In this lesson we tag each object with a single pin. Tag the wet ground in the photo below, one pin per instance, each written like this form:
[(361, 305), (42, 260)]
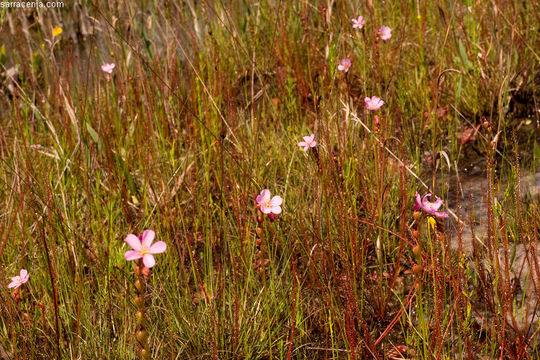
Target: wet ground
[(473, 202), (522, 253)]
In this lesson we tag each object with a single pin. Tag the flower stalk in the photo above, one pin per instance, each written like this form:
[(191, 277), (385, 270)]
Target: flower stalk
[(260, 262), (140, 288)]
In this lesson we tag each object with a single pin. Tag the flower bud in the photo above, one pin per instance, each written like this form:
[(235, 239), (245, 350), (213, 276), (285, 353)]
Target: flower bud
[(417, 215), (259, 231), (145, 271), (416, 269), (416, 233), (137, 270)]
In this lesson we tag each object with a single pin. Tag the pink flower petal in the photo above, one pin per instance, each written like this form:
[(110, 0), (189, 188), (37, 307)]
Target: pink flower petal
[(308, 139), (158, 247), (24, 275), (440, 214), (436, 204), (147, 238), (131, 255), (276, 209), (302, 143), (276, 201), (14, 284), (264, 197), (425, 199), (148, 260), (134, 242)]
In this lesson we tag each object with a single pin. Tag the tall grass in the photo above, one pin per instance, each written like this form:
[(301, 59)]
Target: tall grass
[(203, 110)]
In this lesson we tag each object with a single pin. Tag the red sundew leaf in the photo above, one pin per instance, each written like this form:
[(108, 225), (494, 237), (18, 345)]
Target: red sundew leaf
[(467, 135)]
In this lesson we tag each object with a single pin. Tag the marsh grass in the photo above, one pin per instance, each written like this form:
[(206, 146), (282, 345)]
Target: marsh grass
[(204, 110)]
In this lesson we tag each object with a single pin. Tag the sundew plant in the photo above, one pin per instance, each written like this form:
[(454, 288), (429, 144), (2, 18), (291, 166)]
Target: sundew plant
[(235, 179)]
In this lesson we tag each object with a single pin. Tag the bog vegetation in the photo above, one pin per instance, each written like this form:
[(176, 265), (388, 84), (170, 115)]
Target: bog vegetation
[(270, 180)]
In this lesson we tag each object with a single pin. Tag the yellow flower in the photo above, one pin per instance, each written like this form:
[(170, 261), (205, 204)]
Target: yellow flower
[(57, 31)]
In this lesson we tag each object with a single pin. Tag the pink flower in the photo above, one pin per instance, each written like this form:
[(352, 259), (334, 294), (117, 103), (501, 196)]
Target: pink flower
[(344, 65), (373, 103), (17, 281), (266, 205), (384, 32), (143, 248), (358, 23), (430, 207), (108, 68), (308, 142)]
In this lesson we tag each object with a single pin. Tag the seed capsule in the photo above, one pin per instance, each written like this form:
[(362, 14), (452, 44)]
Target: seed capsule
[(145, 271), (145, 354), (416, 250), (142, 336), (139, 315), (139, 301)]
